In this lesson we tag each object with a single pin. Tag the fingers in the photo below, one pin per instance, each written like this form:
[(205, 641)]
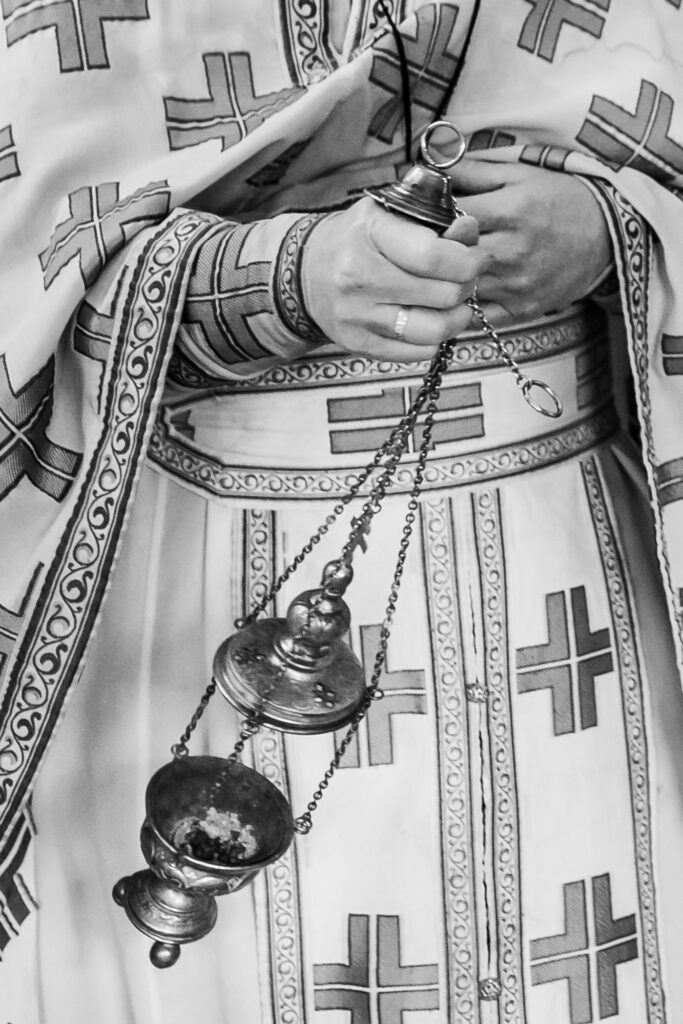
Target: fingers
[(471, 176), (420, 327), (491, 210), (464, 230), (420, 252)]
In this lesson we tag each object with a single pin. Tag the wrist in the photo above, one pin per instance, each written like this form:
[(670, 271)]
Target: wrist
[(288, 284)]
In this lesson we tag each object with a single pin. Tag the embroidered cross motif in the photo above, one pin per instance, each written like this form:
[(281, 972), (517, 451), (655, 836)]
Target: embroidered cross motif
[(543, 26), (404, 694), (9, 164), (431, 66), (593, 379), (669, 481), (16, 902), (233, 108), (25, 449), (572, 659), (92, 332), (10, 621), (98, 226), (390, 990), (370, 417), (551, 157), (272, 173), (78, 26), (640, 140), (569, 957), (489, 138), (225, 292), (672, 352)]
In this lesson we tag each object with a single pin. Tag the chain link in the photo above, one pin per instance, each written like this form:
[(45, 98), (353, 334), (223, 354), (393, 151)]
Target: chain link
[(391, 450), (180, 749), (304, 823)]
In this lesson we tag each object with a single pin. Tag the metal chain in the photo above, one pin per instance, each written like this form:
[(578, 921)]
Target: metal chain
[(180, 749), (250, 726), (525, 384), (304, 823), (392, 450)]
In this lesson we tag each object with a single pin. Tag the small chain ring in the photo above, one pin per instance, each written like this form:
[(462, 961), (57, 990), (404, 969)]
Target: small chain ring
[(555, 410), (441, 165)]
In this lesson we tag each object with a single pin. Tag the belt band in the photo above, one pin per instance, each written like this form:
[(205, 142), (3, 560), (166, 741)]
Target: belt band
[(304, 430)]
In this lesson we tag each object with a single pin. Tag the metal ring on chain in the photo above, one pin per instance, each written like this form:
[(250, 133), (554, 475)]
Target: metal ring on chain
[(442, 165), (400, 323), (555, 408), (525, 384)]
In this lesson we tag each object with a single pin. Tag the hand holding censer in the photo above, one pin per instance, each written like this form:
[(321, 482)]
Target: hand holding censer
[(213, 823)]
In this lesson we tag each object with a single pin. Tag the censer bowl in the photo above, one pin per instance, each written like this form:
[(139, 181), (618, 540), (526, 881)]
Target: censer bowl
[(211, 825)]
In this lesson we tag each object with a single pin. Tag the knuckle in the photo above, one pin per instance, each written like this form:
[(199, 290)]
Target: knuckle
[(425, 255), (451, 295), (346, 276)]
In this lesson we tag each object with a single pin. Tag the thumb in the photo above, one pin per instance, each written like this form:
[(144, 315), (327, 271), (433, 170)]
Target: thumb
[(464, 230)]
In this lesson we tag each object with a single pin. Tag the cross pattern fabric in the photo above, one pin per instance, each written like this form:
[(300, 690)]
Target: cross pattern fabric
[(497, 848)]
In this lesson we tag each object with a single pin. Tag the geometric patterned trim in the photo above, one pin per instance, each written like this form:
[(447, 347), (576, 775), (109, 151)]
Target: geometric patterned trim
[(505, 852), (288, 283), (304, 35), (584, 324), (47, 658), (281, 880), (9, 164), (210, 475), (629, 673), (632, 245), (447, 657)]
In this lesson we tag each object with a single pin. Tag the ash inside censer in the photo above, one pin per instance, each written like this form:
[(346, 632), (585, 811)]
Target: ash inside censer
[(219, 837)]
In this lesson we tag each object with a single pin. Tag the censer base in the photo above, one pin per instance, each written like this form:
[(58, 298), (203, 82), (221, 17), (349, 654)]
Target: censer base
[(211, 825), (165, 912)]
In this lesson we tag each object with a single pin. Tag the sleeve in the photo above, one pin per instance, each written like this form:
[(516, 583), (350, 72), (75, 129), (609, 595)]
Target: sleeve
[(244, 306)]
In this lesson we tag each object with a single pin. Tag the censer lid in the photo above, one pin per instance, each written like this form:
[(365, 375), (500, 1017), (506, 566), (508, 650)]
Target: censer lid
[(253, 673), (297, 674)]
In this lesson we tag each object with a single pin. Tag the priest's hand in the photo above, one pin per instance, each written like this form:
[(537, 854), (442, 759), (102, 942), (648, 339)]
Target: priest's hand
[(544, 237), (388, 287)]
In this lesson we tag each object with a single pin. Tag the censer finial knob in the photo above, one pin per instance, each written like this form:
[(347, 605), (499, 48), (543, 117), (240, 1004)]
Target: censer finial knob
[(297, 674), (424, 192)]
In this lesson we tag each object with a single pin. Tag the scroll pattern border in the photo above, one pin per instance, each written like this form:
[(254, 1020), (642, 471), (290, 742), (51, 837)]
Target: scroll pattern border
[(210, 475), (488, 527), (626, 652), (270, 759), (53, 646), (447, 659)]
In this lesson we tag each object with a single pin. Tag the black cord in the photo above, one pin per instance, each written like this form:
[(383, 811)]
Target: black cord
[(405, 79), (461, 63), (405, 73)]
